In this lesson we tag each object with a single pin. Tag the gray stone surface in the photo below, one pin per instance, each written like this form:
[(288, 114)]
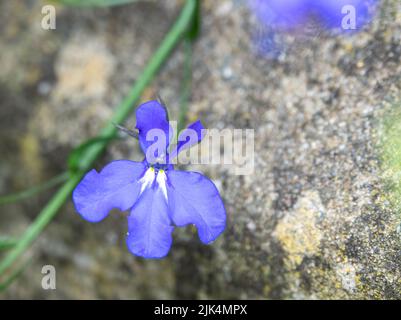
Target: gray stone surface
[(319, 218)]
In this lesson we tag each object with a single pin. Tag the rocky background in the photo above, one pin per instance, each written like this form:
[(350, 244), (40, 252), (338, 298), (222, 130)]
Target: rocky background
[(318, 219)]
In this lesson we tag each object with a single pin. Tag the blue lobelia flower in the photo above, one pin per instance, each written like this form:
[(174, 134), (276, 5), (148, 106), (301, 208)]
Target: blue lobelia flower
[(303, 17), (280, 14), (332, 14), (158, 196)]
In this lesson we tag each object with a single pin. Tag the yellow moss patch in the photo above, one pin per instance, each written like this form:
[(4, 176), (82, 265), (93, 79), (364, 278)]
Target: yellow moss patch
[(30, 157), (298, 231), (389, 145)]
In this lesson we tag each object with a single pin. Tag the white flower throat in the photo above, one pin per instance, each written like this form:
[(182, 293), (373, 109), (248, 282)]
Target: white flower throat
[(150, 176)]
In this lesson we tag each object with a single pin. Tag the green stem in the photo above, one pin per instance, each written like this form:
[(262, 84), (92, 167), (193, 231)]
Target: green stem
[(7, 243), (34, 190), (14, 274), (88, 158), (186, 85)]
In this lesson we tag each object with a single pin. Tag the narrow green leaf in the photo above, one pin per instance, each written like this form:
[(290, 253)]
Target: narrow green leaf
[(186, 86), (75, 158), (14, 275), (195, 27), (192, 34), (7, 242)]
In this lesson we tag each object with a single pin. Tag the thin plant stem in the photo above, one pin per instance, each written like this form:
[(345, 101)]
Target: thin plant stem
[(186, 85), (14, 275)]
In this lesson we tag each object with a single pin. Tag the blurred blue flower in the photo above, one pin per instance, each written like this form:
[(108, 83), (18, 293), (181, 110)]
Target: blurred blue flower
[(308, 18), (339, 15), (345, 15), (157, 196), (282, 14), (267, 44)]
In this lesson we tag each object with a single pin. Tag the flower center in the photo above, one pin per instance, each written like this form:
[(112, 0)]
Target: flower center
[(147, 178), (161, 181), (159, 166), (150, 176)]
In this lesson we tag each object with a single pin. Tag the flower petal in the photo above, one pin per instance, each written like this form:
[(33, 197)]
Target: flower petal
[(334, 13), (193, 198), (149, 225), (281, 14), (149, 116), (188, 137), (116, 186)]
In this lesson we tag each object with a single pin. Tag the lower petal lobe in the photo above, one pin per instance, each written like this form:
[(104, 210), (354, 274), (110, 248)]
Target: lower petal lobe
[(149, 225), (194, 199), (116, 186)]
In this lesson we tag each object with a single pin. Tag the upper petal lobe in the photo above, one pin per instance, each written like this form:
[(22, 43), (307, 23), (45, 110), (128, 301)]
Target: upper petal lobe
[(116, 186), (152, 115), (188, 137), (194, 199)]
